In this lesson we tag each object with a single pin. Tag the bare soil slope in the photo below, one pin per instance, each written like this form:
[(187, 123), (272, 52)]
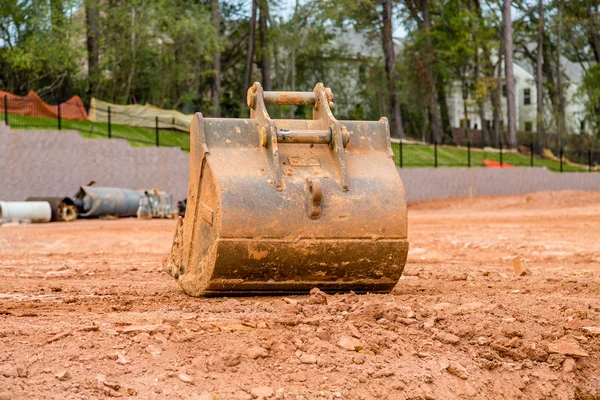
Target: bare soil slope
[(86, 311)]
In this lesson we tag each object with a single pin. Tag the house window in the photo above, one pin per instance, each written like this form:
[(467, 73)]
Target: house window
[(527, 96), (528, 126), (362, 73), (503, 90), (582, 126)]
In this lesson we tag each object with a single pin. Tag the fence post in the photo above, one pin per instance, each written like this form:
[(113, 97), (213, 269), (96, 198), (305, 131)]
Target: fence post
[(435, 152), (401, 160), (501, 164), (156, 123), (590, 160), (531, 154), (109, 127), (469, 153), (560, 152), (59, 117), (6, 109)]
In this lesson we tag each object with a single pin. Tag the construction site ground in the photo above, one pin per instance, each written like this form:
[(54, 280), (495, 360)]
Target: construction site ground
[(87, 311)]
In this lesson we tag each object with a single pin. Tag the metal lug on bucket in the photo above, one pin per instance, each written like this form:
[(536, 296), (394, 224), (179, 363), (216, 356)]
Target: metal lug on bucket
[(315, 188), (283, 205)]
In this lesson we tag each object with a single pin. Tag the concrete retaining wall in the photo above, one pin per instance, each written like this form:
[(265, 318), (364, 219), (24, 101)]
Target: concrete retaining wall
[(431, 183), (56, 163)]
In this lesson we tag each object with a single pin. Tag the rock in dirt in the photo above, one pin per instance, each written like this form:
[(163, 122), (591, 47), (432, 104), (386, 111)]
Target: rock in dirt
[(308, 358), (535, 354), (567, 347), (394, 313), (323, 334), (574, 324), (263, 392), (350, 343), (505, 351), (556, 359), (121, 359), (383, 373), (5, 396), (456, 369), (63, 375), (141, 337), (241, 395), (520, 266), (290, 301), (231, 360), (8, 371), (591, 330), (359, 359), (58, 337), (569, 365), (257, 352), (317, 296), (185, 378), (353, 330), (154, 350), (102, 381), (141, 328), (447, 338), (510, 331)]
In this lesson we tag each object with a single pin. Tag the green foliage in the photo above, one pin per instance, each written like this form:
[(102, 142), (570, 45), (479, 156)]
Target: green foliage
[(590, 89), (37, 54), (161, 52)]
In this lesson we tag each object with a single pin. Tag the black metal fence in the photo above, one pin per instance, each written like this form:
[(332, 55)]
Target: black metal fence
[(31, 113), (409, 154), (24, 113)]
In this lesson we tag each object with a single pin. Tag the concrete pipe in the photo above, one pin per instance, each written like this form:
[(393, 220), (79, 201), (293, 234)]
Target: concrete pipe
[(34, 211)]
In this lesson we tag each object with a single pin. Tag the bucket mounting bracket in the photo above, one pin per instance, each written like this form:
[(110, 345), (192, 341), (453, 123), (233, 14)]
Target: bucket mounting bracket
[(332, 132)]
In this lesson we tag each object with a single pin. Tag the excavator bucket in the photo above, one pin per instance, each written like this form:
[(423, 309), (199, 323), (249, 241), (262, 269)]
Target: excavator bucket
[(281, 206)]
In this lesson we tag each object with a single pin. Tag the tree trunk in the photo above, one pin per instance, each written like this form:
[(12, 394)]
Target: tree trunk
[(487, 67), (265, 65), (250, 56), (293, 63), (390, 69), (593, 39), (510, 77), (465, 96), (216, 83), (496, 96), (133, 56), (92, 17), (539, 79), (561, 120), (480, 107), (445, 114), (435, 120)]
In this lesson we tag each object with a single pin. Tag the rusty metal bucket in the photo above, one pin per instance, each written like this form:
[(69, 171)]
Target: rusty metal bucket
[(283, 206)]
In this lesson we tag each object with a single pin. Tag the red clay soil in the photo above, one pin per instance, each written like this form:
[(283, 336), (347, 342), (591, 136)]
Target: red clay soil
[(86, 311)]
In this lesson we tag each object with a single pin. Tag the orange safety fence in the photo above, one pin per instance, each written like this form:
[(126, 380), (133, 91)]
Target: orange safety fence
[(33, 106), (496, 164)]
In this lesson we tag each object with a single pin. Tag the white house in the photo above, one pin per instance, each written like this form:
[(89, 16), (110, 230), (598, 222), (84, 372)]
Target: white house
[(347, 80), (526, 101)]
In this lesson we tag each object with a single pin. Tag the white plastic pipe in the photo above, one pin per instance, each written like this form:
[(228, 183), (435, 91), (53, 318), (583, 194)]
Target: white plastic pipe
[(34, 211)]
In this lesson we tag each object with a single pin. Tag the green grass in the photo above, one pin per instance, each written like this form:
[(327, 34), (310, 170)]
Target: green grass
[(424, 156), (412, 155), (134, 135)]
